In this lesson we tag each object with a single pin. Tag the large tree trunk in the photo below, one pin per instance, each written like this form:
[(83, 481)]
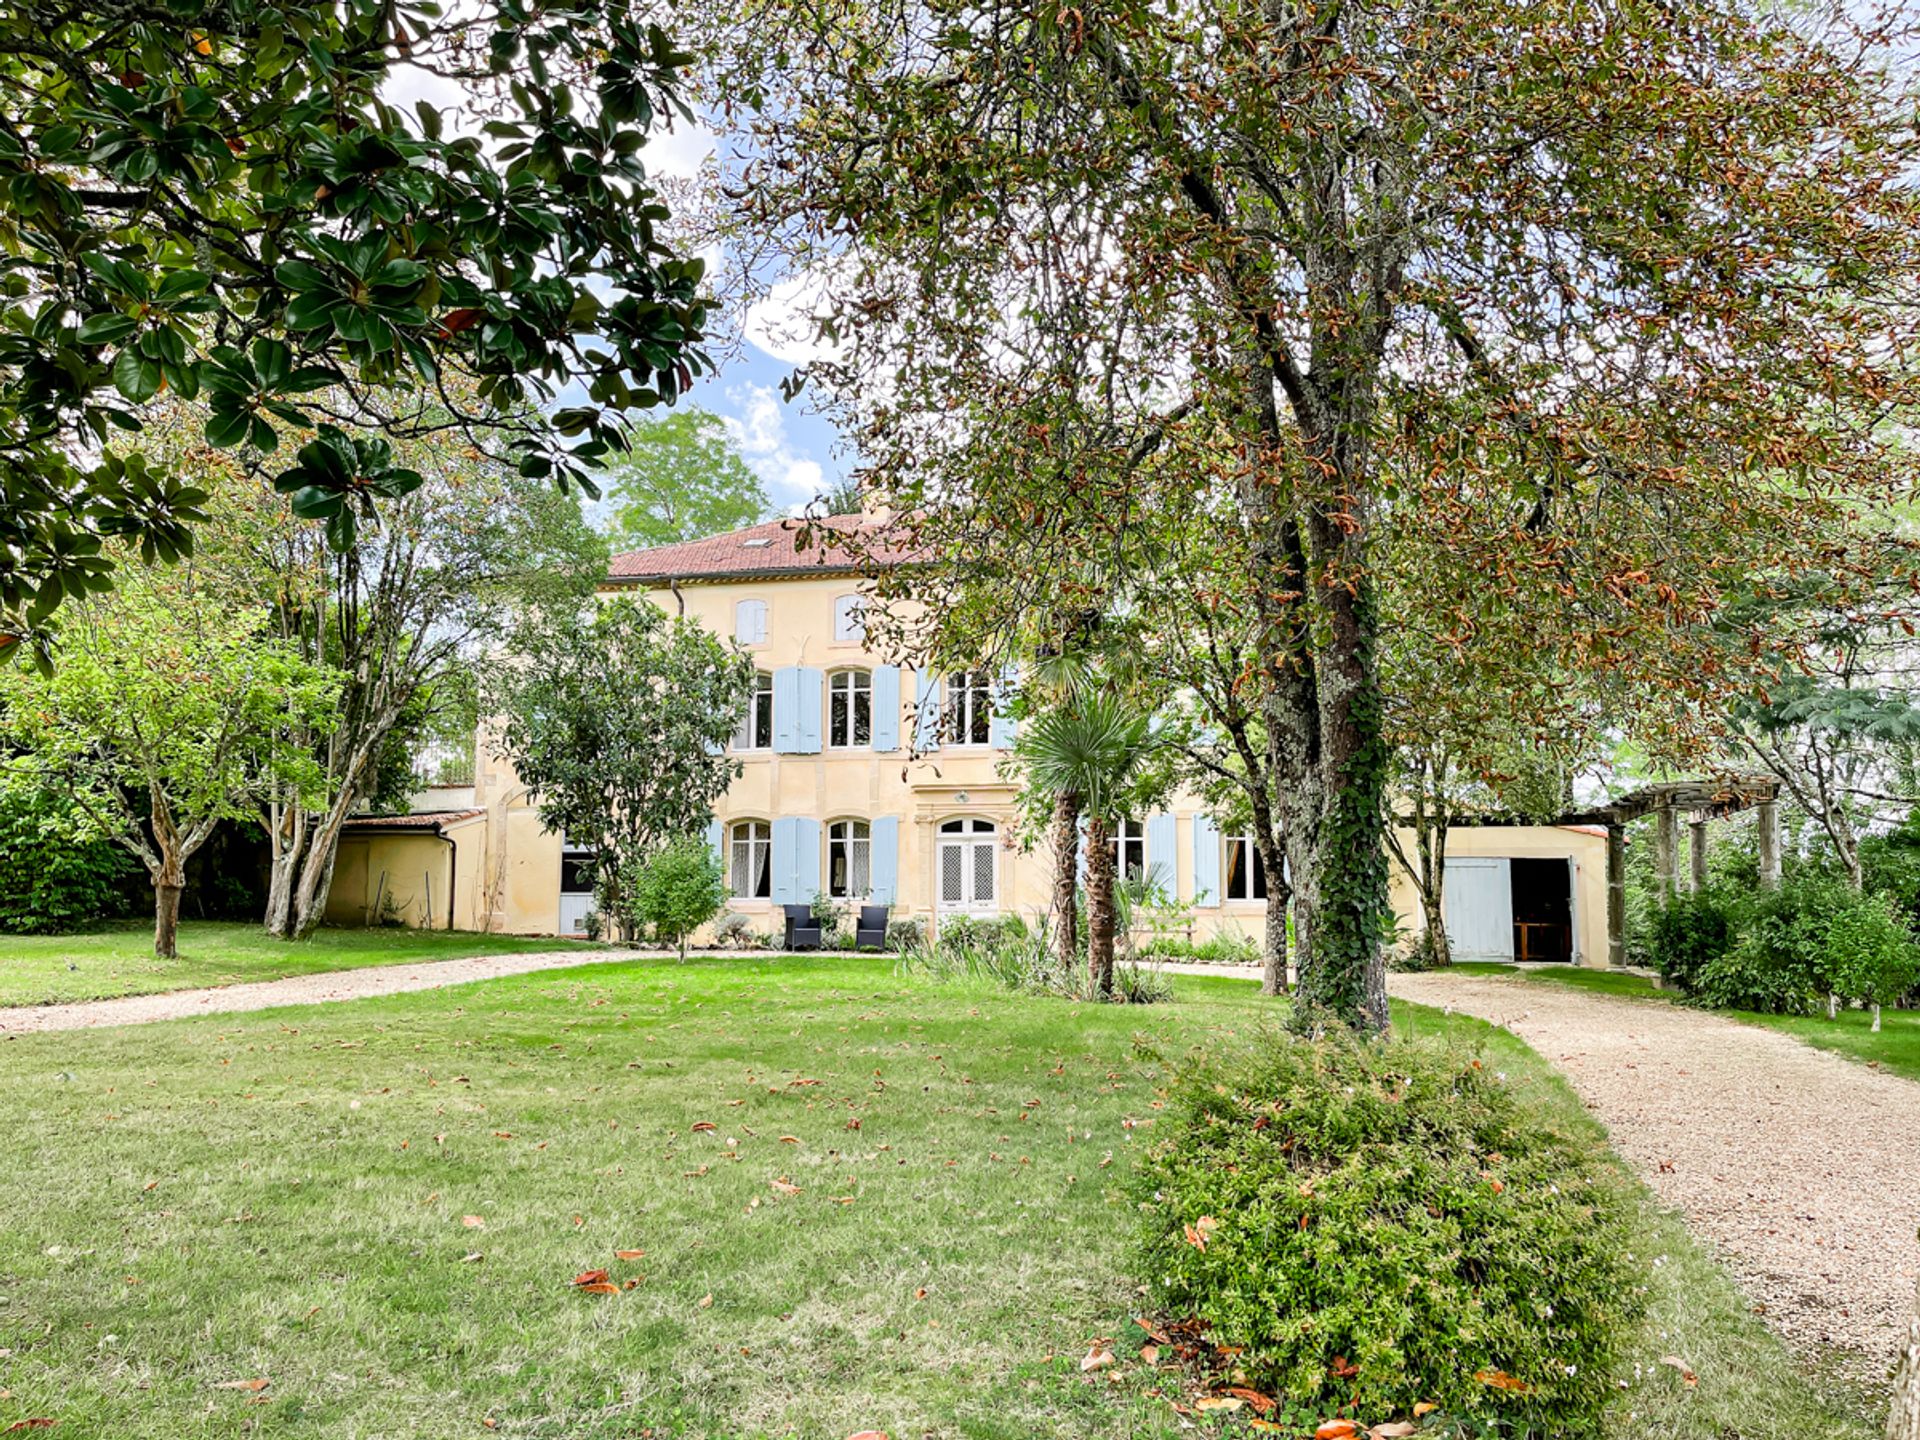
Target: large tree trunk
[(169, 882), (1903, 1421), (1099, 907), (1273, 976), (1063, 835)]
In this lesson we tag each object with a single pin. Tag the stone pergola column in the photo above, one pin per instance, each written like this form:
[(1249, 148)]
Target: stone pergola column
[(1616, 894), (1697, 852), (1768, 821), (1663, 853)]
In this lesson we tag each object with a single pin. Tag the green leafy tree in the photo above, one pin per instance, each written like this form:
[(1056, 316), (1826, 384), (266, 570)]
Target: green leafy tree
[(170, 711), (681, 477), (226, 201), (676, 890), (1603, 330), (617, 722), (1099, 748)]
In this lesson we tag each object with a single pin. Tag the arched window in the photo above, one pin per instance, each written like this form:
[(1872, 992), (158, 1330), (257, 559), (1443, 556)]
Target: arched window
[(750, 860), (1129, 850), (755, 731), (849, 709), (1246, 872), (970, 707), (968, 876), (849, 860), (750, 622), (849, 618)]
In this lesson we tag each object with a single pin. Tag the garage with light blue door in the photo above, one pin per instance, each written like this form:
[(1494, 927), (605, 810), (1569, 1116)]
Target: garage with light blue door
[(1515, 909)]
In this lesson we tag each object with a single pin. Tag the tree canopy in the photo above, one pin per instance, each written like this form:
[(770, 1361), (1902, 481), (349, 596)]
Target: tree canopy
[(230, 201), (681, 477)]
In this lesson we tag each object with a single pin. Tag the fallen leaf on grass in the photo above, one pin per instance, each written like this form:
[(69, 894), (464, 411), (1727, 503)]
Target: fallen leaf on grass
[(1500, 1380), (700, 1125), (1336, 1430), (706, 1301), (1227, 1403), (1150, 1354), (1199, 1232), (1099, 1358), (590, 1277), (785, 1187), (599, 1287), (39, 1422), (1392, 1431), (256, 1386), (869, 1435), (1424, 1407), (789, 1139), (473, 1222), (1677, 1363), (471, 1257), (628, 1254), (1262, 1403)]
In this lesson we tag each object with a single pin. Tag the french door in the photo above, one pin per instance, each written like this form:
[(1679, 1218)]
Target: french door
[(969, 867)]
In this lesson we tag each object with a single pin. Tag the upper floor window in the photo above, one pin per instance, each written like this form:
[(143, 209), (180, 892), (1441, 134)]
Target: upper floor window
[(849, 859), (750, 622), (849, 709), (1246, 871), (756, 725), (1129, 850), (750, 860), (849, 618), (970, 707)]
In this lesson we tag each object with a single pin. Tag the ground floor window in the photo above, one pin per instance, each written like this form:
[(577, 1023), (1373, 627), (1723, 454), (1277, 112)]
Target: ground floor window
[(1129, 850), (849, 859), (1246, 871), (750, 868), (968, 867)]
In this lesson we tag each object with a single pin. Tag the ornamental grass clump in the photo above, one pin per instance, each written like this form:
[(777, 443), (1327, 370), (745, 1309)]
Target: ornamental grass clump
[(1379, 1227)]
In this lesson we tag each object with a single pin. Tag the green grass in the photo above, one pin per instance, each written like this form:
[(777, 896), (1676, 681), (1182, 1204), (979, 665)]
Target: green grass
[(118, 959), (1896, 1048), (281, 1196)]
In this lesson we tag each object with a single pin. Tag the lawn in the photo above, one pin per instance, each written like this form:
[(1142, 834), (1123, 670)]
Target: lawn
[(908, 1215), (1896, 1048), (118, 959)]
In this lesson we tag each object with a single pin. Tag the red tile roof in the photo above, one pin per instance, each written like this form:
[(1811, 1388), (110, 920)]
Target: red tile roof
[(417, 820), (770, 549)]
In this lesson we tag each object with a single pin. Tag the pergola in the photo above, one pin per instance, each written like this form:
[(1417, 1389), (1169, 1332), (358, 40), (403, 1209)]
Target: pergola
[(1701, 800)]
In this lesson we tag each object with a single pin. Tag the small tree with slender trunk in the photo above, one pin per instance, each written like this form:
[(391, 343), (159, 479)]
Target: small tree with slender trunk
[(166, 713), (1096, 747)]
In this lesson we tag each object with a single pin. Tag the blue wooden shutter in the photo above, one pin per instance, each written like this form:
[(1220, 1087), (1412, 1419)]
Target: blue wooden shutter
[(716, 844), (786, 706), (1206, 861), (808, 683), (782, 863), (1163, 853), (926, 725), (806, 860), (886, 707), (1000, 733), (884, 859)]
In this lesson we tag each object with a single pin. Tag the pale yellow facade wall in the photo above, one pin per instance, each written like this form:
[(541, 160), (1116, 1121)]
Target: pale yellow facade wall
[(516, 886)]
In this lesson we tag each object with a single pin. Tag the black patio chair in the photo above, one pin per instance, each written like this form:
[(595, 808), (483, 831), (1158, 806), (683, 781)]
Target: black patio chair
[(803, 931), (872, 929)]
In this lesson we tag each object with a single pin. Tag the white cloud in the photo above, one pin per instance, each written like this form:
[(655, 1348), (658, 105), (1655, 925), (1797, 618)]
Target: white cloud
[(759, 427), (782, 322)]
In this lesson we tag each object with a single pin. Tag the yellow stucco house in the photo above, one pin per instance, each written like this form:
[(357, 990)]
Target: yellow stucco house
[(866, 780)]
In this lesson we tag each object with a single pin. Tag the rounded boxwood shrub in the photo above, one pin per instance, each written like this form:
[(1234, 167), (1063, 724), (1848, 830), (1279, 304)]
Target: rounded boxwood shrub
[(1688, 933), (1379, 1226)]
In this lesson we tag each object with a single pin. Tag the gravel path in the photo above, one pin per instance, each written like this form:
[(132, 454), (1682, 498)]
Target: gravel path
[(295, 990), (1801, 1169)]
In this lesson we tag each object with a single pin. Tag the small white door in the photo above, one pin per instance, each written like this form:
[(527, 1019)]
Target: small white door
[(1477, 902), (968, 867)]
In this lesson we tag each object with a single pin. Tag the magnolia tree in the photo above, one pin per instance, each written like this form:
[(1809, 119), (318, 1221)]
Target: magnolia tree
[(1609, 326), (233, 200), (171, 710)]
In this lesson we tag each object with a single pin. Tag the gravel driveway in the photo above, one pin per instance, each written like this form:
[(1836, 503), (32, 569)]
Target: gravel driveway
[(1801, 1169), (296, 990)]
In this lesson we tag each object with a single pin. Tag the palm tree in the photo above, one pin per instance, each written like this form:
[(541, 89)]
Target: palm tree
[(1093, 747)]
